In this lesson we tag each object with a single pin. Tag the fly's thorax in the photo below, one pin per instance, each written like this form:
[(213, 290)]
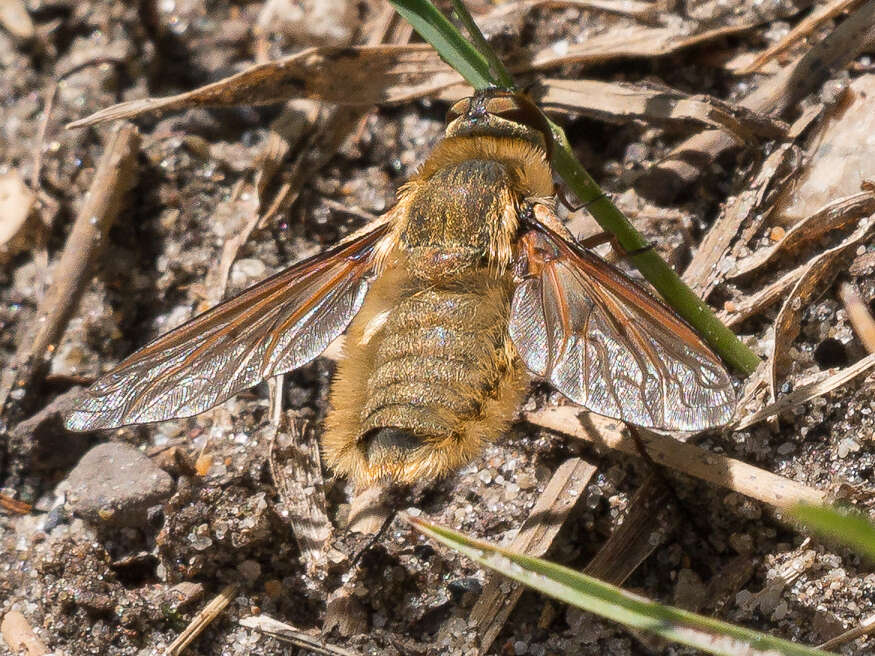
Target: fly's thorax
[(462, 208), (460, 218)]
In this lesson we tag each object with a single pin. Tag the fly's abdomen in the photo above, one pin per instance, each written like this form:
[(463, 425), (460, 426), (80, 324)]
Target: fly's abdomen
[(433, 375), (432, 363)]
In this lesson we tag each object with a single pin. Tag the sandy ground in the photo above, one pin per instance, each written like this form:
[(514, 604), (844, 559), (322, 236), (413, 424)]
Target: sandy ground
[(211, 514)]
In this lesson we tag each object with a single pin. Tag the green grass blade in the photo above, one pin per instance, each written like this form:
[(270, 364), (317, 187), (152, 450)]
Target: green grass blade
[(496, 66), (611, 602), (474, 65), (444, 37), (851, 529)]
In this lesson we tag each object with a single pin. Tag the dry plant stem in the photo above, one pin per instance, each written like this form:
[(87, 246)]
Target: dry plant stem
[(202, 620), (297, 475), (755, 303), (14, 505), (775, 95), (861, 320), (649, 521), (866, 627), (691, 460), (288, 633), (836, 215), (48, 105), (803, 394), (819, 272), (702, 273), (645, 11), (537, 533), (401, 74), (18, 635), (115, 175), (805, 27), (395, 74), (623, 101), (370, 509)]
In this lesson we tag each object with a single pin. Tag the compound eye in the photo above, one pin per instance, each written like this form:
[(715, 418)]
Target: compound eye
[(458, 109), (506, 107), (518, 108)]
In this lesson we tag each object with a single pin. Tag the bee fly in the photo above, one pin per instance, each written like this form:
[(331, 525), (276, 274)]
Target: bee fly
[(469, 285)]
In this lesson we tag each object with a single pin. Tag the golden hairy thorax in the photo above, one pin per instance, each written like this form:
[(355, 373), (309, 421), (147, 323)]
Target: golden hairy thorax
[(430, 374)]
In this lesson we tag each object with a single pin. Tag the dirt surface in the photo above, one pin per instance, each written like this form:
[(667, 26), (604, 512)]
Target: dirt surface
[(88, 583)]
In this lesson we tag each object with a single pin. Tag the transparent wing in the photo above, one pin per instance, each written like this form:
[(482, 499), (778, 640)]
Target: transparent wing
[(275, 326), (608, 345)]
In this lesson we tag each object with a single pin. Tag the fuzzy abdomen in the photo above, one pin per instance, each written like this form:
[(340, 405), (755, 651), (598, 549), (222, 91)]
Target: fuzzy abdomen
[(429, 377)]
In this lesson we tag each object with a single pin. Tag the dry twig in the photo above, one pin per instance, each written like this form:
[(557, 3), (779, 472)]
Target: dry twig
[(297, 474), (865, 627), (774, 96), (805, 27), (620, 101), (115, 175), (330, 74), (861, 320), (202, 620), (288, 633), (18, 635), (805, 393), (692, 460)]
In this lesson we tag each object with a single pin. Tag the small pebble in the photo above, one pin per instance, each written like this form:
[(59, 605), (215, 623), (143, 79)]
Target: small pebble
[(846, 446), (526, 481), (116, 484)]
